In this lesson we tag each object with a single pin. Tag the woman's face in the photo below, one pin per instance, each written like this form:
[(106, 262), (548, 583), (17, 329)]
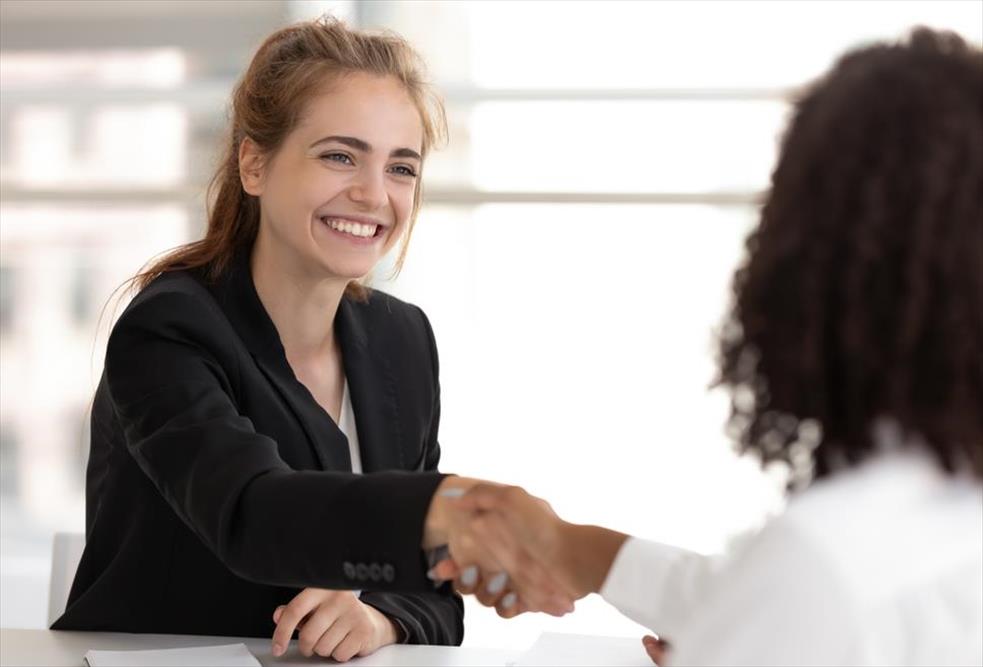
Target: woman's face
[(338, 193)]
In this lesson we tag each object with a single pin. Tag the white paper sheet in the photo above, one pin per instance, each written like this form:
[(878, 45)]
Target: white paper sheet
[(554, 648), (230, 655)]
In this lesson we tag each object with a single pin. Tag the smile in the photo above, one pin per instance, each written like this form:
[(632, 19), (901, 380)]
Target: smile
[(356, 229)]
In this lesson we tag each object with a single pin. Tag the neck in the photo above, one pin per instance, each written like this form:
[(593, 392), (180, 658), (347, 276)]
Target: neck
[(302, 306)]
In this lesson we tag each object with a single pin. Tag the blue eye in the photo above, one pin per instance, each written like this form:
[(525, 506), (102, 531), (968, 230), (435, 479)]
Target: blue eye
[(338, 157)]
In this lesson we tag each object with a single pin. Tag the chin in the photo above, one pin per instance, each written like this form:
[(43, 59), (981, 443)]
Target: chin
[(346, 270)]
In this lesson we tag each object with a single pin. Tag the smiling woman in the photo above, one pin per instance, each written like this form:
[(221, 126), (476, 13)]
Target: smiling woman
[(253, 377)]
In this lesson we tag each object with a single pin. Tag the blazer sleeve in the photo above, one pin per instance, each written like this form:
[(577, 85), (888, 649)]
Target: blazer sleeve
[(171, 368), (426, 618)]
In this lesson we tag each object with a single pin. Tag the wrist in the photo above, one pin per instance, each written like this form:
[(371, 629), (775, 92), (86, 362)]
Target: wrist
[(587, 553), (385, 630), (436, 525)]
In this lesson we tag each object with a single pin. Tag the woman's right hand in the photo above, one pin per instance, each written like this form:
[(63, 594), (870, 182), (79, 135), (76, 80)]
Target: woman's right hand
[(491, 561)]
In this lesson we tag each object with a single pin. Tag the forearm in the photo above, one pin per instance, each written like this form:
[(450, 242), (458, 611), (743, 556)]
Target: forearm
[(324, 530), (585, 555)]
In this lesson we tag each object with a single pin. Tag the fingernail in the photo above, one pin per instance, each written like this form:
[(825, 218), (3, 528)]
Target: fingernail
[(432, 574), (470, 576), (452, 493), (497, 583), (277, 650), (508, 600)]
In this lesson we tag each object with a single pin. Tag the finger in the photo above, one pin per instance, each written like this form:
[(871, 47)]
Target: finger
[(348, 648), (468, 581), (317, 625), (445, 570), (278, 612), (329, 640), (510, 606), (656, 648), (492, 588), (290, 616), (530, 579)]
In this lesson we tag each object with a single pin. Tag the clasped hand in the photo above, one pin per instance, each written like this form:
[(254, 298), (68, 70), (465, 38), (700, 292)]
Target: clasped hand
[(512, 552), (508, 549)]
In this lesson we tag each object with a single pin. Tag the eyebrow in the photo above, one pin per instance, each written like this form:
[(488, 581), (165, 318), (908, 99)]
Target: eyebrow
[(365, 147)]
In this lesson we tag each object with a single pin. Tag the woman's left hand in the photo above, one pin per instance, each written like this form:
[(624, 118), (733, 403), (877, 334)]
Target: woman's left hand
[(331, 623)]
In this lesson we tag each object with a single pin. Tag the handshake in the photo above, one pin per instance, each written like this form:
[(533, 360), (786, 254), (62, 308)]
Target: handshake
[(511, 551), (498, 543)]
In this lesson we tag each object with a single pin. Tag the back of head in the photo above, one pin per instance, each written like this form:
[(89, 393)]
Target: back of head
[(862, 294)]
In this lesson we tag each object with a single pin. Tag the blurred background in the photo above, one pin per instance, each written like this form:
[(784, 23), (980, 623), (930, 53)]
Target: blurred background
[(605, 163)]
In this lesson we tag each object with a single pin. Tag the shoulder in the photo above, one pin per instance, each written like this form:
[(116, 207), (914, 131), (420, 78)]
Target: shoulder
[(384, 307), (395, 329), (384, 316), (172, 335), (866, 542), (895, 522), (175, 308), (174, 296)]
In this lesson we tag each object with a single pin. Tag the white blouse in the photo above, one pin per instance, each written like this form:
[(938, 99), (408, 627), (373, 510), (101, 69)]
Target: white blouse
[(882, 564), (347, 426)]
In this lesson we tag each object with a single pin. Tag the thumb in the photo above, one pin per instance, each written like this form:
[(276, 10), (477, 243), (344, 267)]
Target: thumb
[(480, 497)]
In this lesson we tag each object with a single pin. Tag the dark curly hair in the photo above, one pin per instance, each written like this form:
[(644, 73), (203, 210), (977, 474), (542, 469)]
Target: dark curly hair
[(862, 293)]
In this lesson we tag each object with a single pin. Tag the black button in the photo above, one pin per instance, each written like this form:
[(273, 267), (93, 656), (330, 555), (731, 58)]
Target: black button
[(348, 569), (388, 573), (362, 572), (375, 572)]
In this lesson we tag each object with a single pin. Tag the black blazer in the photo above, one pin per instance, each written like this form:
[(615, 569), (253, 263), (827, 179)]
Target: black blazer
[(217, 487)]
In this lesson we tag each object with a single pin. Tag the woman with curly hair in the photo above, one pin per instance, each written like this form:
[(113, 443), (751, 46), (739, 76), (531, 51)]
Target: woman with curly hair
[(854, 354)]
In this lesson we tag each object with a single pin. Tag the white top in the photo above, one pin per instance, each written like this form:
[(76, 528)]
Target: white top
[(347, 426), (882, 564)]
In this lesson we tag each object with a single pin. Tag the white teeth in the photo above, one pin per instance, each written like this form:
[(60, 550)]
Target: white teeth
[(355, 229)]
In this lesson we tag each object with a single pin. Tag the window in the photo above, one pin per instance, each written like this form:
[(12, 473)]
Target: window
[(7, 308)]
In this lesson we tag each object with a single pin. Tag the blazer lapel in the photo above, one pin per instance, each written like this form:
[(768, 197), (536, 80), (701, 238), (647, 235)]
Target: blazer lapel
[(372, 388), (237, 296), (328, 442)]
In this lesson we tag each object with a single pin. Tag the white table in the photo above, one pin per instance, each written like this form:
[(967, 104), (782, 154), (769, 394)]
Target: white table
[(56, 648)]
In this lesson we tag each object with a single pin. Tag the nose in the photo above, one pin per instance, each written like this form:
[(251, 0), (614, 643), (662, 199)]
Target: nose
[(368, 190)]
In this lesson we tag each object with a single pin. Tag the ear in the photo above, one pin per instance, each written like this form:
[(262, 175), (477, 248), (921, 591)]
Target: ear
[(251, 167)]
